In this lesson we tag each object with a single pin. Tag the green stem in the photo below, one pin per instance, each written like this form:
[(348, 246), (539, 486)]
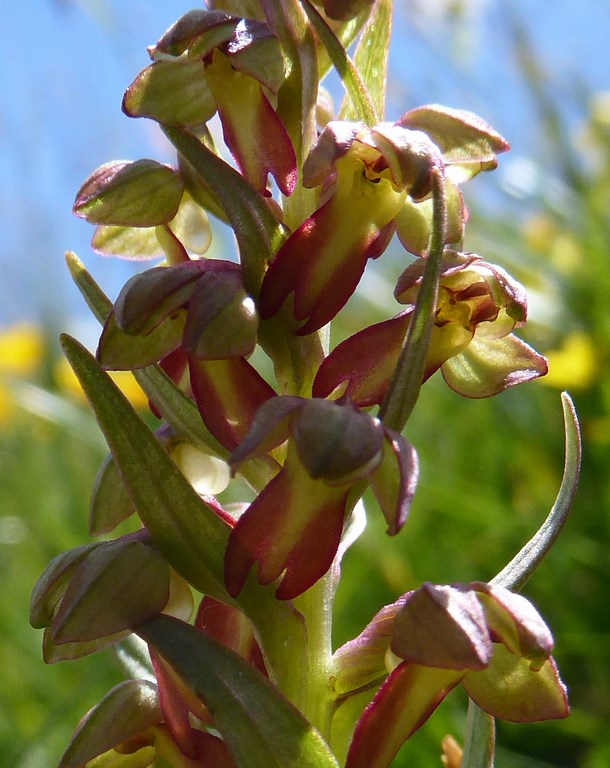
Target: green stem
[(315, 605), (404, 389), (480, 744)]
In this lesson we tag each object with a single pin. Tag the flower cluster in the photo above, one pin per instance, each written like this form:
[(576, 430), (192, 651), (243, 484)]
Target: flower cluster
[(232, 354)]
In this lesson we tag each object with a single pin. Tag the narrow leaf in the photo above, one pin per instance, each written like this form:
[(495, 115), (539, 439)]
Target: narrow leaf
[(371, 58), (364, 107), (403, 392), (262, 728)]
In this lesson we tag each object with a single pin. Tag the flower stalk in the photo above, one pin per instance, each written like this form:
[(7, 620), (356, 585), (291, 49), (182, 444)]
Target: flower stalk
[(247, 494)]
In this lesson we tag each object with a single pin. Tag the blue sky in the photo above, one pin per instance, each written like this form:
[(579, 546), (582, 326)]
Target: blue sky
[(67, 62)]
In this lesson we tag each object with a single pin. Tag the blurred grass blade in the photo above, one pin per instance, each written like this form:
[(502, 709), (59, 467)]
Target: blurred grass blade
[(371, 58), (188, 533), (525, 562), (364, 108), (261, 727)]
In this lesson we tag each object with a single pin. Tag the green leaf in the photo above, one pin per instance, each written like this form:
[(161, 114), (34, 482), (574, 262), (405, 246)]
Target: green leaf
[(186, 530), (171, 91), (120, 351), (143, 193), (262, 728), (128, 709), (364, 107), (258, 232), (53, 582), (371, 58), (406, 382)]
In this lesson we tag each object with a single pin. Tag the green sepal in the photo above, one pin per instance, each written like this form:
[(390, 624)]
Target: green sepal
[(143, 193), (171, 91), (469, 144), (120, 351), (53, 652), (202, 27), (261, 727), (52, 584), (133, 243), (190, 226), (256, 51), (222, 321), (126, 711), (117, 586)]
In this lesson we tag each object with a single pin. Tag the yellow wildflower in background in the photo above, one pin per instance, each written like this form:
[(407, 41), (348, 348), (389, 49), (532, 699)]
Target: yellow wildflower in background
[(67, 382), (573, 365), (21, 350)]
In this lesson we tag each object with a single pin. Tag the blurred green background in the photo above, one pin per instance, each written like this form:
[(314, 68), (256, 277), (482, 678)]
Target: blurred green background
[(489, 469)]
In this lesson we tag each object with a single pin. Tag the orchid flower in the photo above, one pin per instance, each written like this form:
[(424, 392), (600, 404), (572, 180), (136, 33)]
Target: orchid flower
[(472, 343), (293, 528), (486, 638), (371, 182)]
